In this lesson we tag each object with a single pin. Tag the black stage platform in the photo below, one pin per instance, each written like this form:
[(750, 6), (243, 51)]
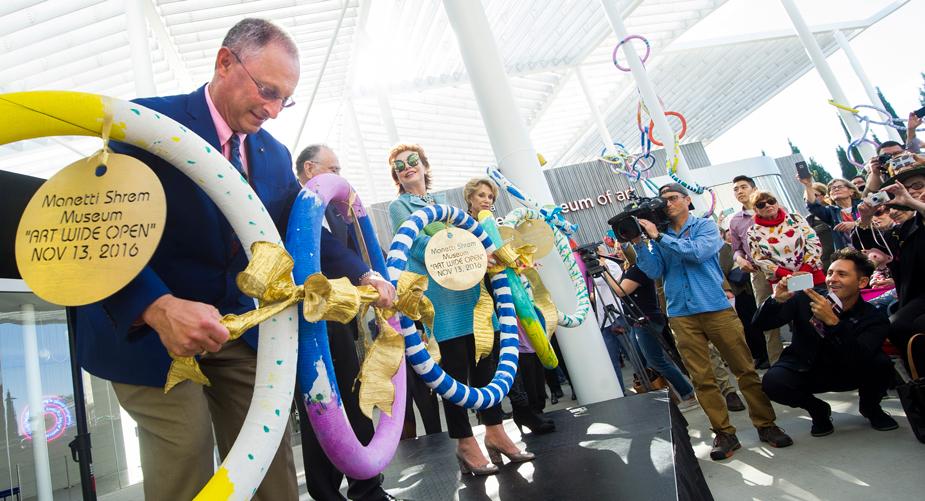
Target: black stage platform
[(633, 448)]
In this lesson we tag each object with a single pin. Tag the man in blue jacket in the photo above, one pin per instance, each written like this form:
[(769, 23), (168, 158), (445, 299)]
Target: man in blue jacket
[(175, 304), (686, 256)]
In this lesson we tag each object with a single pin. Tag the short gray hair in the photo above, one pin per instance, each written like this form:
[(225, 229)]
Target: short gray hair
[(309, 153), (251, 34)]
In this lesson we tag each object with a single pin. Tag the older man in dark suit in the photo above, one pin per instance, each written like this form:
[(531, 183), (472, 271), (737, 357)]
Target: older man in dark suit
[(176, 302)]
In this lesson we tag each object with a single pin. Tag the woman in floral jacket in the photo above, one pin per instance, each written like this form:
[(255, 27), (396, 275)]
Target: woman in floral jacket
[(782, 243)]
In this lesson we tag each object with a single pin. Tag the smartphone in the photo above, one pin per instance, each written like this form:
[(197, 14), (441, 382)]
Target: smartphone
[(803, 170), (799, 282), (920, 112)]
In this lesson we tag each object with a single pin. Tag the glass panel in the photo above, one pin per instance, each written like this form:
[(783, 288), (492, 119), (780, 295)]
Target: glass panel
[(116, 462)]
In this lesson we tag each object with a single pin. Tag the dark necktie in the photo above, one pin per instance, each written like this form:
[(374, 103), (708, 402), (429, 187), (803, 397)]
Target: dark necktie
[(236, 154)]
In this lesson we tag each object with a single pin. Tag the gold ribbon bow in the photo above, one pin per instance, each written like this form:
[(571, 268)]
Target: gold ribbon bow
[(267, 278), (514, 255), (517, 256), (339, 300), (543, 300)]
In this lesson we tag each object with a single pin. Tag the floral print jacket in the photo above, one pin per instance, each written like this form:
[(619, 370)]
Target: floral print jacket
[(784, 245)]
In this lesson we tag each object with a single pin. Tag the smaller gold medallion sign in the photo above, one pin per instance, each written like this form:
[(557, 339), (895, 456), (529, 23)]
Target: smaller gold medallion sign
[(537, 233), (90, 229), (456, 259), (510, 236)]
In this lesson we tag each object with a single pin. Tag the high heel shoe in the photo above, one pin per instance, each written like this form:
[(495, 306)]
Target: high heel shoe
[(533, 421), (466, 468), (494, 455)]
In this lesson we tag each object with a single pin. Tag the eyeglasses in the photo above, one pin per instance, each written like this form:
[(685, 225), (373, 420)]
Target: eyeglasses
[(837, 187), (915, 186), (265, 92), (334, 169), (672, 198), (401, 165), (764, 203)]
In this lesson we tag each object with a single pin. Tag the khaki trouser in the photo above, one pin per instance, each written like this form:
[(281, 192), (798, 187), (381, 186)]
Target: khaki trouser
[(762, 289), (722, 328), (175, 429), (720, 372)]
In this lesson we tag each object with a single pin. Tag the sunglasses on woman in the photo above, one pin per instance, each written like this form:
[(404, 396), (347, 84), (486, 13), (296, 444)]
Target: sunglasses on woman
[(401, 165), (764, 203)]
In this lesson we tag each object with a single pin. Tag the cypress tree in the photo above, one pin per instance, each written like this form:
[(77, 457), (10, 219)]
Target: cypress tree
[(855, 154), (922, 92), (793, 149), (889, 109), (818, 172), (848, 170)]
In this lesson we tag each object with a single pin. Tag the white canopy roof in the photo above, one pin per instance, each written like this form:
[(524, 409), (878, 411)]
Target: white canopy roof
[(405, 53)]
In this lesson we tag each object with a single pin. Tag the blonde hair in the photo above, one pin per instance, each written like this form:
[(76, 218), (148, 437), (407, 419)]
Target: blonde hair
[(472, 186), (401, 148), (629, 253)]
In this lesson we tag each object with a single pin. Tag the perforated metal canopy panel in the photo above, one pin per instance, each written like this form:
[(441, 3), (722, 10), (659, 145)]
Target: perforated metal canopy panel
[(405, 53)]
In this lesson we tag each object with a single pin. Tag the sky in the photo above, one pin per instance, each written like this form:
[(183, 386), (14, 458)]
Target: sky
[(890, 52)]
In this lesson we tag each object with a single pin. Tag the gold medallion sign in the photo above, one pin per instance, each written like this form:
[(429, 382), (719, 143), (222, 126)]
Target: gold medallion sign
[(537, 233), (510, 236), (456, 259), (90, 229)]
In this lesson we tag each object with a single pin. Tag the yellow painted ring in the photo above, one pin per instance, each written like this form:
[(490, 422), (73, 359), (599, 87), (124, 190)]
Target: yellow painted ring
[(31, 115)]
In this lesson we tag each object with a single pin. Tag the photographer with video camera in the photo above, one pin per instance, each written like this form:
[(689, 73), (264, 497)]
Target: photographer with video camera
[(685, 252), (837, 344), (905, 243), (632, 283)]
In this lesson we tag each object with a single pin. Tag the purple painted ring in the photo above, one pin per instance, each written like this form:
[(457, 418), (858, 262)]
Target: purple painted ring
[(627, 39)]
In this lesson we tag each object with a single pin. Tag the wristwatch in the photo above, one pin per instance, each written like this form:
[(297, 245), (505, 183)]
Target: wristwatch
[(372, 275), (658, 237)]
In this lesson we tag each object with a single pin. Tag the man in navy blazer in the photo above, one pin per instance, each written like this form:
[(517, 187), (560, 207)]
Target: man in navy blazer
[(176, 302)]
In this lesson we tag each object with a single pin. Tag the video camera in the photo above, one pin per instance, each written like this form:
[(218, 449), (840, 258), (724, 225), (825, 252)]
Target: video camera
[(589, 257), (626, 224)]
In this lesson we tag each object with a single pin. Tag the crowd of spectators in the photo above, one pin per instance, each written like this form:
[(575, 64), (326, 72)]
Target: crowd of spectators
[(863, 250)]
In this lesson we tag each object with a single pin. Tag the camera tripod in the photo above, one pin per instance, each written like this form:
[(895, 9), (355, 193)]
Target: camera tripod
[(632, 313)]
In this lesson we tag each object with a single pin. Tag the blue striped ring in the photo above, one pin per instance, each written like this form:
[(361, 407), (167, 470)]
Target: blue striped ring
[(423, 364)]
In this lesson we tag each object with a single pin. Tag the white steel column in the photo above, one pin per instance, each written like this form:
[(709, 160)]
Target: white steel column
[(137, 28), (324, 66), (36, 406), (590, 369), (663, 130), (825, 72), (351, 115), (868, 88), (385, 111), (595, 111)]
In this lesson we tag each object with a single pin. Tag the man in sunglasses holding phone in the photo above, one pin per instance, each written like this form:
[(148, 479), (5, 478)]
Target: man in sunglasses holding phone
[(837, 344), (686, 256)]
